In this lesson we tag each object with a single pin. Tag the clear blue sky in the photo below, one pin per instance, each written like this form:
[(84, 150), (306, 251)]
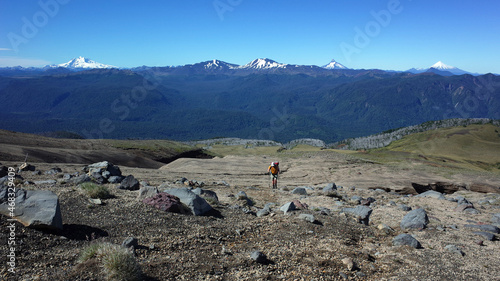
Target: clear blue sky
[(387, 34)]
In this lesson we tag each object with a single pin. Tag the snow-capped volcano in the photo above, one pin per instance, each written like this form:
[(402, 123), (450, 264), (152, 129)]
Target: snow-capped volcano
[(443, 67), (264, 64), (217, 64), (83, 63), (334, 65), (439, 67)]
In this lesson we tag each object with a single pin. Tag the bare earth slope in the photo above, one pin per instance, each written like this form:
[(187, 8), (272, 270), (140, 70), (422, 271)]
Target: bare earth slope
[(218, 246)]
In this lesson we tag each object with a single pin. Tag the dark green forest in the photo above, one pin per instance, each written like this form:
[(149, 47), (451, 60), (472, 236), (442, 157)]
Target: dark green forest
[(156, 103)]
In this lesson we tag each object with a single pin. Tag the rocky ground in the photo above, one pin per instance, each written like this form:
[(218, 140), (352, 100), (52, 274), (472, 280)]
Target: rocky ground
[(218, 245)]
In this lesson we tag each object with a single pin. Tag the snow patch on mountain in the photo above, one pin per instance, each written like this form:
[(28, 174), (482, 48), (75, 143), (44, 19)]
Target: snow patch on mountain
[(441, 66), (264, 64), (217, 64), (334, 65), (82, 63)]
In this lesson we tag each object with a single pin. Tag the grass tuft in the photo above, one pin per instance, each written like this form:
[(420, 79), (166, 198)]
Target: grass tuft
[(117, 262), (95, 191)]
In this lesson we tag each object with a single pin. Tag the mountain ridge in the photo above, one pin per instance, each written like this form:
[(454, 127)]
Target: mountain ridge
[(260, 64)]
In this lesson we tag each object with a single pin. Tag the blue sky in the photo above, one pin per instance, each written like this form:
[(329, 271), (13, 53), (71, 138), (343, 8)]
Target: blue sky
[(388, 34)]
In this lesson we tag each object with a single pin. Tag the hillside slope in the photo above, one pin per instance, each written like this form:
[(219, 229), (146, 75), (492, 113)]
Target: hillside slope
[(472, 147), (17, 147)]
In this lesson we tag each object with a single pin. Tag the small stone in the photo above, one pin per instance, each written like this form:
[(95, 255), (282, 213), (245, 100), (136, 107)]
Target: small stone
[(330, 187), (479, 242), (45, 182), (241, 195), (263, 212), (362, 213), (307, 217), (404, 207), (130, 242), (487, 235), (385, 228), (258, 256), (95, 201), (484, 227), (454, 249), (349, 264), (406, 239)]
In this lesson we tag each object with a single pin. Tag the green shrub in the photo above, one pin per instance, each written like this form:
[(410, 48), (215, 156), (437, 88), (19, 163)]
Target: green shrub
[(117, 262), (95, 191)]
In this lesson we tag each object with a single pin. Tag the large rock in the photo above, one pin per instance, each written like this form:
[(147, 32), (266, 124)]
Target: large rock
[(484, 227), (330, 187), (495, 219), (290, 206), (33, 208), (166, 202), (416, 219), (362, 213), (80, 179), (101, 172), (129, 183), (406, 239), (195, 203), (103, 166), (299, 191), (207, 194)]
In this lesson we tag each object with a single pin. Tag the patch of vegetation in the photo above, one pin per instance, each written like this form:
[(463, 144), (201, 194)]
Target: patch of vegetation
[(117, 262), (95, 191)]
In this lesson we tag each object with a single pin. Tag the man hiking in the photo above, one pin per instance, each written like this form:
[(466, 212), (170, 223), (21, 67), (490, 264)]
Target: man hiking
[(274, 171)]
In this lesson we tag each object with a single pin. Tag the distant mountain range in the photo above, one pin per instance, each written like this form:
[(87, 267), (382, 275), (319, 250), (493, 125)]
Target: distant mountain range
[(265, 64), (263, 99)]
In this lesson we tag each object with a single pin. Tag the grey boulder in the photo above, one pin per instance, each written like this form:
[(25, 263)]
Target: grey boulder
[(406, 239), (416, 219), (195, 203), (33, 208), (299, 191), (290, 206), (362, 213), (129, 183)]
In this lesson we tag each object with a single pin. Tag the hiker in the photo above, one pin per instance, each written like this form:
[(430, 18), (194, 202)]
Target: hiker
[(274, 171)]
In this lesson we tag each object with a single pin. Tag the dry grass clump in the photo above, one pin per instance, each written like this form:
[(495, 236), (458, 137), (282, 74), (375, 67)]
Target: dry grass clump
[(95, 191), (117, 262)]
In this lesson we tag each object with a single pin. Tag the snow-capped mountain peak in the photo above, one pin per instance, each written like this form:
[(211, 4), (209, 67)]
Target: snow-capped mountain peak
[(217, 64), (81, 62), (264, 64), (334, 65), (441, 66)]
